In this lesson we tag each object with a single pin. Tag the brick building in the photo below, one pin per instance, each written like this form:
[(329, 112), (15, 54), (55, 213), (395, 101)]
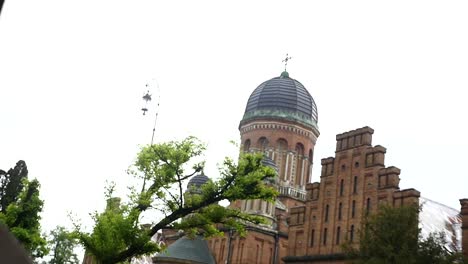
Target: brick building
[(310, 220)]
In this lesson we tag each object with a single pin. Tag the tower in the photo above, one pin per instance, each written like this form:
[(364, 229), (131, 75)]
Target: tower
[(280, 120)]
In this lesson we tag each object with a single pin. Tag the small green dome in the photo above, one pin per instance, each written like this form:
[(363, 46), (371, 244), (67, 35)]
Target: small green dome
[(284, 74)]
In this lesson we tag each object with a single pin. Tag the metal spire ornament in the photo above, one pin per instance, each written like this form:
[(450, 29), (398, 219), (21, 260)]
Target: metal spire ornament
[(147, 101), (286, 61), (146, 98)]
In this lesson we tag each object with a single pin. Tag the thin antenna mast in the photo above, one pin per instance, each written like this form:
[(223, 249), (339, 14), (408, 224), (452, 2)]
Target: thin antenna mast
[(157, 111), (147, 98)]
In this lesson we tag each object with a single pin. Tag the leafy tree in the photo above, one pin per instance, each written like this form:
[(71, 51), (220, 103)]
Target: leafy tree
[(11, 184), (62, 244), (117, 235), (22, 218), (392, 236)]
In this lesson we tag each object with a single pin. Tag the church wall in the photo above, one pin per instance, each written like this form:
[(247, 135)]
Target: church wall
[(352, 184), (289, 145), (256, 248)]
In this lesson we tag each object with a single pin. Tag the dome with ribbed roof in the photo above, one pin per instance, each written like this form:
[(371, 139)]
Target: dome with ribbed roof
[(267, 161), (282, 98), (186, 250), (196, 182)]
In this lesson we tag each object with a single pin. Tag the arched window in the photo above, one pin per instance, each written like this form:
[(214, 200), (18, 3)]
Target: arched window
[(340, 207), (300, 149), (355, 184), (308, 171), (325, 236), (262, 143), (282, 161), (338, 231), (258, 254), (300, 164), (247, 145), (282, 145), (341, 187), (312, 237), (351, 234), (326, 213)]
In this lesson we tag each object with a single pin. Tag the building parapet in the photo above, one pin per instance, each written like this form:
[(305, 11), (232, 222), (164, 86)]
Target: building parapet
[(292, 192)]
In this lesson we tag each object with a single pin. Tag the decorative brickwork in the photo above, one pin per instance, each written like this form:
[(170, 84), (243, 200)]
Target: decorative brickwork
[(352, 184)]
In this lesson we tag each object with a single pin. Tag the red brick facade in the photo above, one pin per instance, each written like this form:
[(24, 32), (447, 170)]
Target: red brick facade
[(353, 183), (320, 216)]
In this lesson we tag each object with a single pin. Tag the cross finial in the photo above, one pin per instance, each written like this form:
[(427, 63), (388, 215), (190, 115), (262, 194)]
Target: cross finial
[(286, 61)]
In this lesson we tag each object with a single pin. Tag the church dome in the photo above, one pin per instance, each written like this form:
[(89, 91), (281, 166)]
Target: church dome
[(267, 161), (284, 98), (197, 181)]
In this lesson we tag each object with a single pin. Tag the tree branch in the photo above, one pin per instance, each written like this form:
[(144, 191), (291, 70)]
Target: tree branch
[(128, 253)]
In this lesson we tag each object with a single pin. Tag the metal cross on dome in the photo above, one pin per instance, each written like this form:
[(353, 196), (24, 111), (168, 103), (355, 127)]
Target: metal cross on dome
[(286, 61)]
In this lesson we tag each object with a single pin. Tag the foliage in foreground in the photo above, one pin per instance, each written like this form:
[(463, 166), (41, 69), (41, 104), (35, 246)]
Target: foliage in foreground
[(20, 209), (62, 244), (118, 236), (392, 236)]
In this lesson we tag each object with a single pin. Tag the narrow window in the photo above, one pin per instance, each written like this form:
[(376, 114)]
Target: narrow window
[(356, 164), (351, 234), (326, 213), (341, 187), (312, 238), (353, 209), (343, 167), (325, 236), (338, 231), (258, 254), (271, 255), (355, 185), (368, 205), (340, 207), (221, 251), (247, 145)]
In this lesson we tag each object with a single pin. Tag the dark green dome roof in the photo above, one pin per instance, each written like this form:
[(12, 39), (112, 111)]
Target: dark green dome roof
[(195, 250), (198, 180), (267, 161), (282, 97)]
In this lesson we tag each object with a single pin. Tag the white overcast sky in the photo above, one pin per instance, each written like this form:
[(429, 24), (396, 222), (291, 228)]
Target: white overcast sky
[(72, 74)]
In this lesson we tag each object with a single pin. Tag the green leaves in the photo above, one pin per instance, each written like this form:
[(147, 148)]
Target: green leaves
[(62, 245), (165, 169), (392, 236), (22, 217), (115, 229)]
